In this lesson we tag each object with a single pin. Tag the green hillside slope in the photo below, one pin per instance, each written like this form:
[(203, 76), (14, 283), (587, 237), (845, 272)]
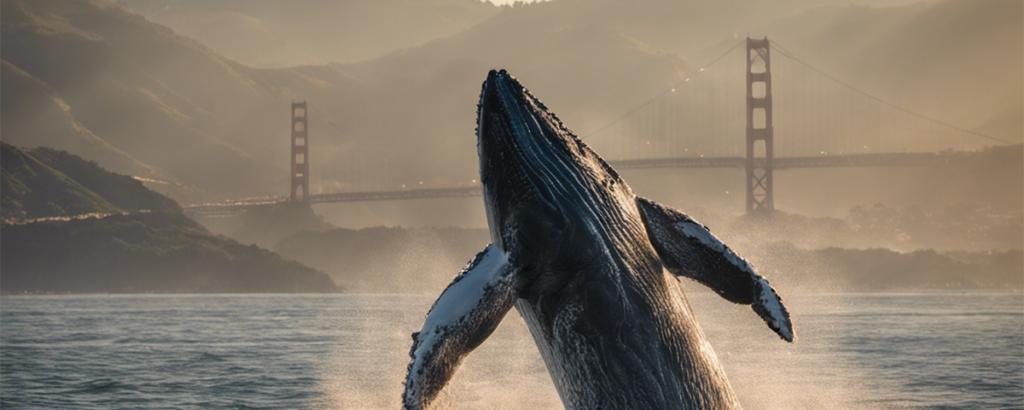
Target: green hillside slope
[(71, 226), (43, 182), (159, 98)]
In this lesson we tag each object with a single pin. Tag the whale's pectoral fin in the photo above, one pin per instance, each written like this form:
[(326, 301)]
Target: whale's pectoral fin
[(465, 314), (688, 248)]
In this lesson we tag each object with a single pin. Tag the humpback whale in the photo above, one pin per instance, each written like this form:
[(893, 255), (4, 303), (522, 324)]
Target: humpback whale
[(591, 268)]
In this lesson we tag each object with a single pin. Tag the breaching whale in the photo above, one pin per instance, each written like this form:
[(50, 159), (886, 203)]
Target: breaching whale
[(590, 267)]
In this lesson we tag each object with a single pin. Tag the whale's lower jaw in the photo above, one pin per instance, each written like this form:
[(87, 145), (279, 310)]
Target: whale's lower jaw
[(651, 357)]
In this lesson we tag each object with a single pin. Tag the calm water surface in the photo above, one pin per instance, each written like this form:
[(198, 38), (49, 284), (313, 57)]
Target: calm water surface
[(873, 351)]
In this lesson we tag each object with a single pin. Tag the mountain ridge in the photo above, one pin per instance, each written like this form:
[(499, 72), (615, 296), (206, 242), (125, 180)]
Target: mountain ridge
[(140, 99), (272, 34)]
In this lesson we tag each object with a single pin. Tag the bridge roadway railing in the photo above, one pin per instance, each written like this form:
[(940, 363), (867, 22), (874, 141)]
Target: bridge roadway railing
[(824, 161), (236, 207), (922, 159), (232, 207), (465, 191)]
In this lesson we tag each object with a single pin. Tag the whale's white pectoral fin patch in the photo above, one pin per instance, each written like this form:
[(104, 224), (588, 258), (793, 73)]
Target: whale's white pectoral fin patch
[(465, 314), (769, 306), (688, 248)]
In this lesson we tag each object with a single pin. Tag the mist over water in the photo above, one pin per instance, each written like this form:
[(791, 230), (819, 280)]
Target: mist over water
[(854, 351)]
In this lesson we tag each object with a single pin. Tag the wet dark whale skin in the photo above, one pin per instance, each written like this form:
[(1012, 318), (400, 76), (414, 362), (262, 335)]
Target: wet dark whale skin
[(613, 326)]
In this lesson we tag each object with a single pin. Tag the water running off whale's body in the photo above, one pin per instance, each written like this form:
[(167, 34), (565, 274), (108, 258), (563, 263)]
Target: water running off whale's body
[(591, 268)]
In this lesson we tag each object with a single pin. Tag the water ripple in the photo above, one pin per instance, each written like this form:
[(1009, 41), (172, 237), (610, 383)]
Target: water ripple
[(926, 351)]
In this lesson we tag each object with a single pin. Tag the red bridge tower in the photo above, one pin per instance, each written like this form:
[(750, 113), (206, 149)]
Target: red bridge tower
[(300, 151), (760, 196)]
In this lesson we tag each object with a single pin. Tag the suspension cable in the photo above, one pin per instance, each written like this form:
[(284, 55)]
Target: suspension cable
[(785, 53), (326, 118), (659, 95)]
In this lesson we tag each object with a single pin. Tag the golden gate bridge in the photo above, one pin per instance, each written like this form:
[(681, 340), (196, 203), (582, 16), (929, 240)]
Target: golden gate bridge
[(824, 122)]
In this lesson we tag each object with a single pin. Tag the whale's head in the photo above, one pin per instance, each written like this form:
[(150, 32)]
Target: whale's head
[(543, 187)]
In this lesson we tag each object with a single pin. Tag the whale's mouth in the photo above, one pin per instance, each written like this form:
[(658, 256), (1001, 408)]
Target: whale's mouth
[(516, 133), (542, 186)]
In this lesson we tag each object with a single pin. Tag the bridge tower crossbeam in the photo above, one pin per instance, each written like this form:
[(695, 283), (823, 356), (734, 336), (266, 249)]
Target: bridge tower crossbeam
[(760, 194)]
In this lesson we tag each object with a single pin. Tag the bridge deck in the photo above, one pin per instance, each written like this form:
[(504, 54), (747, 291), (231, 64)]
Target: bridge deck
[(824, 161)]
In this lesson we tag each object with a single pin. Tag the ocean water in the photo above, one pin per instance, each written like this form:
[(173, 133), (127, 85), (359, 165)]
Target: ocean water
[(853, 351)]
